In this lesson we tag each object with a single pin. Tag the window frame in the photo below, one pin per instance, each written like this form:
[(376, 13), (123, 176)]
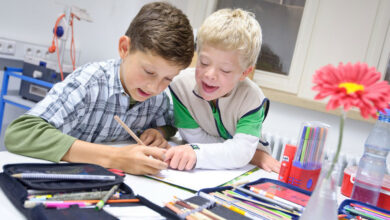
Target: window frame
[(290, 83)]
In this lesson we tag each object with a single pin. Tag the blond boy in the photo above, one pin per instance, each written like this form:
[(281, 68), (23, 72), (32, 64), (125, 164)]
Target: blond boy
[(218, 110)]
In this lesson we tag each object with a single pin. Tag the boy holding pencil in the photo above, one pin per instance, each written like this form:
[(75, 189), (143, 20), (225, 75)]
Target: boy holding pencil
[(217, 109), (79, 111)]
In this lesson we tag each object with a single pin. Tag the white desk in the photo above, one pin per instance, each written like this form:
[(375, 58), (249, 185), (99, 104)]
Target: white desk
[(155, 191)]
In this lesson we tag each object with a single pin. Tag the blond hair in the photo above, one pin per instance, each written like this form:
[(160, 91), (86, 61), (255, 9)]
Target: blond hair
[(232, 29)]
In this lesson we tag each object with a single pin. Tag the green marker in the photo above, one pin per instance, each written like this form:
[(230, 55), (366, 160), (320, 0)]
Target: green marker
[(101, 203), (308, 131)]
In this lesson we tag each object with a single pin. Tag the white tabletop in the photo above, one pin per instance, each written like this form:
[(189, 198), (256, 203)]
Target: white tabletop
[(156, 191)]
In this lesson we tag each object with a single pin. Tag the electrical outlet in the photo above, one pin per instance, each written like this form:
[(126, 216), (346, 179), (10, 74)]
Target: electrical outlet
[(19, 50), (36, 51), (7, 47)]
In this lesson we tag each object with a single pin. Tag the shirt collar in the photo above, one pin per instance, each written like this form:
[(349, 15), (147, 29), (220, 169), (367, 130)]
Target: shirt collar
[(117, 84)]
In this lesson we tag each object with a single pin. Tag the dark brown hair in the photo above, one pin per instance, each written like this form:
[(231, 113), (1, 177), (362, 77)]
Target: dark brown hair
[(163, 30)]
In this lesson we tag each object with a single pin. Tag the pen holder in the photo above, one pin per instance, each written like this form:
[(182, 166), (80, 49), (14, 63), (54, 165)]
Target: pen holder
[(303, 178), (306, 165)]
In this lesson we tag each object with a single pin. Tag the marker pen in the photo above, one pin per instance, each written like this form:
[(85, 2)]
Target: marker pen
[(288, 157)]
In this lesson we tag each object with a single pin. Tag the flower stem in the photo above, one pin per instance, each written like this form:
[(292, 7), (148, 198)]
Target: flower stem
[(341, 132)]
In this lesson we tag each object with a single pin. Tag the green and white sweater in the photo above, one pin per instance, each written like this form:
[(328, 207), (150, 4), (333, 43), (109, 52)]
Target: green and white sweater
[(227, 134)]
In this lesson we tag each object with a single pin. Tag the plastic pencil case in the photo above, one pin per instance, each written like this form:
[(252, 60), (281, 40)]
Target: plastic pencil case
[(261, 180), (348, 202), (16, 190)]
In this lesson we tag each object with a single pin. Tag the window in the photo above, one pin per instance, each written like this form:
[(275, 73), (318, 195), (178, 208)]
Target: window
[(278, 43), (279, 64)]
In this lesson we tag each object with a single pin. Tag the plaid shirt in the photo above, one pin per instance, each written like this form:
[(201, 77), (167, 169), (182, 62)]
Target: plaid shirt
[(84, 105)]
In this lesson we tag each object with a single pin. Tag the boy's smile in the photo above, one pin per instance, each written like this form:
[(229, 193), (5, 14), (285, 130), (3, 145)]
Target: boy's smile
[(208, 88), (144, 74), (218, 72)]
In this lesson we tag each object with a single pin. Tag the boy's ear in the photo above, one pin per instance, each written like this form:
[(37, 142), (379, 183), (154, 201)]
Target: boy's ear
[(124, 46), (246, 72)]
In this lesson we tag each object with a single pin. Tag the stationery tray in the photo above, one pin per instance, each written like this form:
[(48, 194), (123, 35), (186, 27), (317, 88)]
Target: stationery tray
[(375, 209), (18, 190), (63, 168), (259, 181)]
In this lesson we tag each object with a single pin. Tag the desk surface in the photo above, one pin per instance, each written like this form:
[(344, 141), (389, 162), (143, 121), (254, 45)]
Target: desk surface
[(155, 191)]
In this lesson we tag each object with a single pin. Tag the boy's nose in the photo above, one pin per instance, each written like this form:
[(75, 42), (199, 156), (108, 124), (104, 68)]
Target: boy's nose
[(211, 74), (153, 87)]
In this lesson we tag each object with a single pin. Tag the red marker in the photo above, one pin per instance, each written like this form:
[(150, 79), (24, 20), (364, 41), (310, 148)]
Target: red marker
[(288, 157)]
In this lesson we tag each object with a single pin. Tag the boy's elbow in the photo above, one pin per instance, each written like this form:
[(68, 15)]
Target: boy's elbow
[(246, 157), (11, 139)]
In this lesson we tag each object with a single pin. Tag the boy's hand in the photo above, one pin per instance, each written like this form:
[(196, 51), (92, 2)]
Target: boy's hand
[(152, 137), (181, 157), (265, 161), (135, 159)]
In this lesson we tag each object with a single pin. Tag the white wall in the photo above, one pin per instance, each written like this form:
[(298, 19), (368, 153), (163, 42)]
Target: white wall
[(32, 21), (286, 121)]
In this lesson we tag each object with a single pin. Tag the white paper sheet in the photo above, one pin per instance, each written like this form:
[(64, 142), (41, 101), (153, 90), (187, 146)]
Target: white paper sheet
[(200, 178)]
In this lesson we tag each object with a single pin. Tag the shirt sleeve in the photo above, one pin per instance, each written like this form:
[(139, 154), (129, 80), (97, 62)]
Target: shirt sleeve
[(230, 154), (251, 123), (33, 137), (198, 135), (216, 153), (65, 103), (183, 118)]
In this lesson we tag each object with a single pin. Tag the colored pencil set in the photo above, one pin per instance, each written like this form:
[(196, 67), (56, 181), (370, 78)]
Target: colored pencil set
[(245, 201), (307, 161), (360, 211), (67, 199), (86, 199)]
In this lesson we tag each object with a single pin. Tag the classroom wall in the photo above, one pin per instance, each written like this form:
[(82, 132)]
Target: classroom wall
[(32, 21)]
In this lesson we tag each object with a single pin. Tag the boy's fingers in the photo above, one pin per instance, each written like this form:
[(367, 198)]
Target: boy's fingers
[(155, 152), (147, 139), (182, 164), (276, 167), (156, 164), (168, 155), (157, 142), (175, 161), (190, 164)]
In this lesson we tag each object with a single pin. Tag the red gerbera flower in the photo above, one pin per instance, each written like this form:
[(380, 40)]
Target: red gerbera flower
[(352, 85)]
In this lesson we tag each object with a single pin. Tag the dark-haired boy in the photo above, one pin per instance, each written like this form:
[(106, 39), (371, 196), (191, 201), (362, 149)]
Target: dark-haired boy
[(79, 112)]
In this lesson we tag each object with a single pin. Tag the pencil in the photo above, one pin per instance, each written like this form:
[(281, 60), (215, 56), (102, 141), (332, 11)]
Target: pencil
[(54, 204), (101, 203), (58, 176), (132, 134), (108, 201), (33, 203), (272, 201)]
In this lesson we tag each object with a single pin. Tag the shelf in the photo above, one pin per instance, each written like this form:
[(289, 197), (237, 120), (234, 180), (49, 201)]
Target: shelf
[(13, 96)]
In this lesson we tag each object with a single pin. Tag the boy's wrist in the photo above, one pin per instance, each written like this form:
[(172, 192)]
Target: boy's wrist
[(194, 146)]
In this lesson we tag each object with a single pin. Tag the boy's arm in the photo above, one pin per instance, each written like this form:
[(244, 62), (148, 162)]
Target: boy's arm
[(134, 159), (198, 135), (265, 161), (34, 137), (233, 153)]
